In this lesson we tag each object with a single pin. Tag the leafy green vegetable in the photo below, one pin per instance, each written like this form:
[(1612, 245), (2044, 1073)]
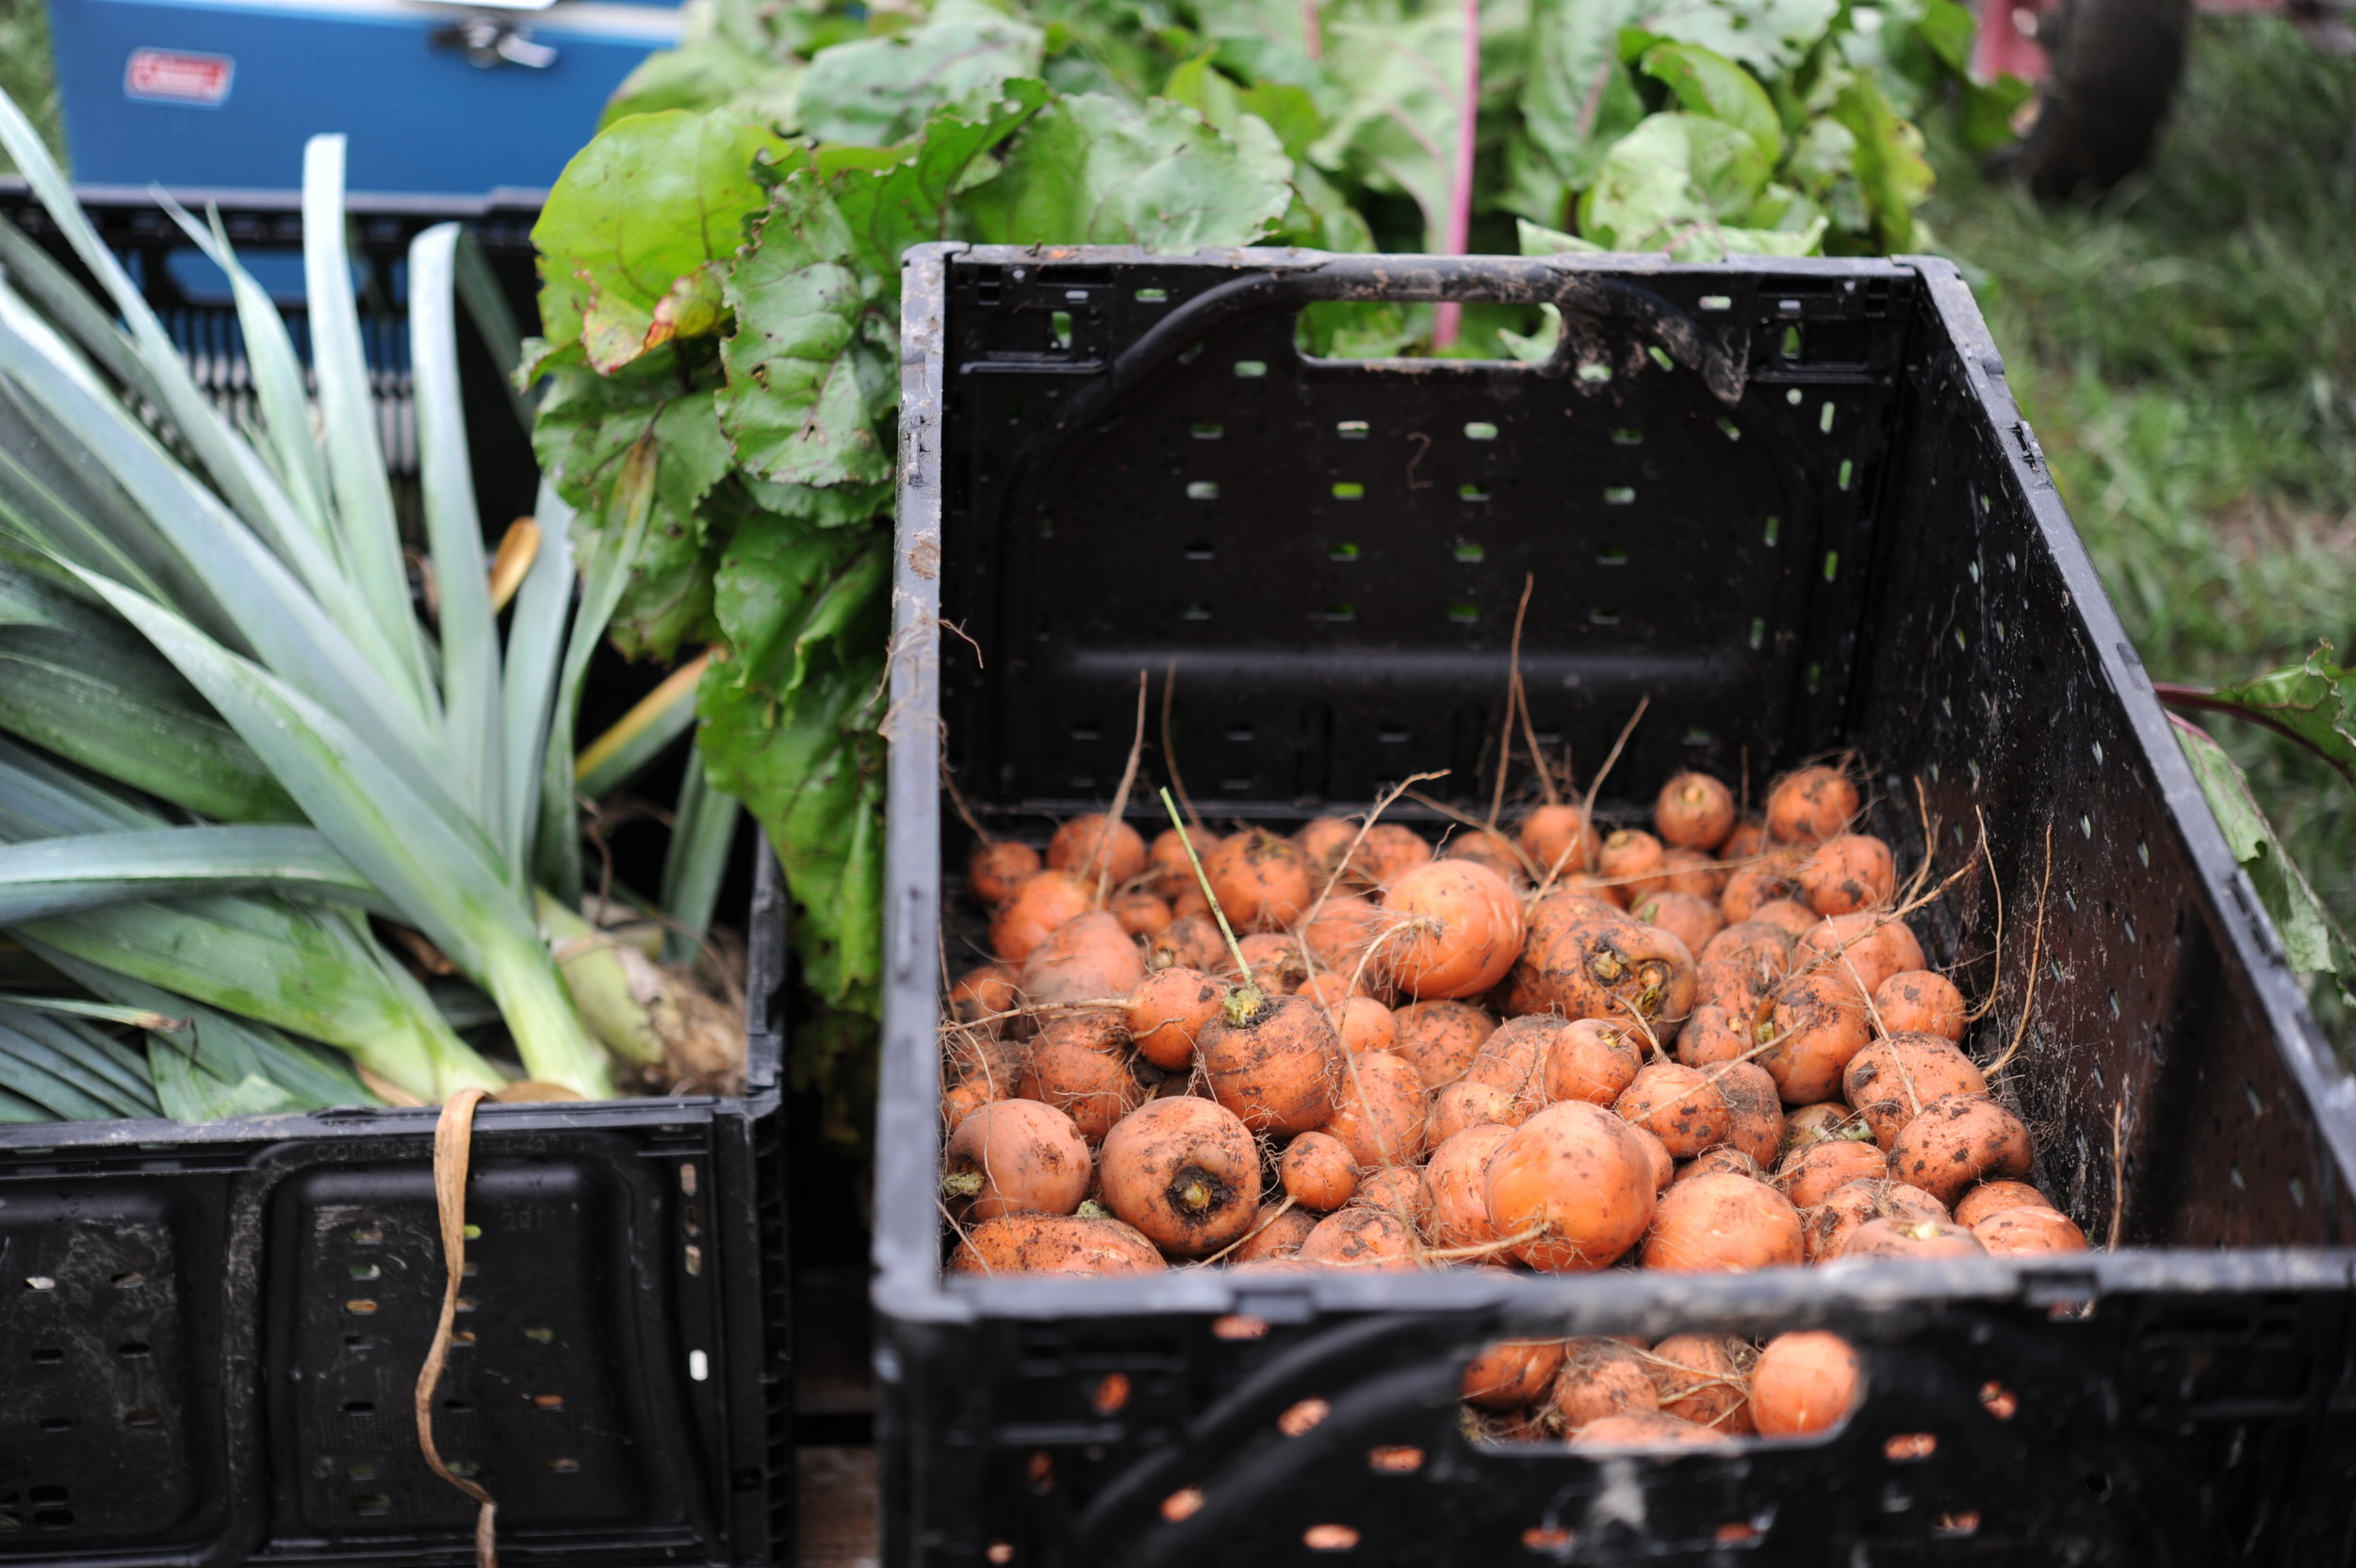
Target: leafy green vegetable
[(722, 301), (2312, 939)]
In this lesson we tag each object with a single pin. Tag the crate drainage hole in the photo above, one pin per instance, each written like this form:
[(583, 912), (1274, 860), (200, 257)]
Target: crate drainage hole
[(1237, 1325), (372, 1503), (1551, 1539), (1000, 1551), (40, 1281), (1185, 1503), (565, 1467), (51, 1358), (1955, 1525), (1905, 1447), (548, 1401), (1329, 1538), (698, 1366), (1111, 1393), (1302, 1416), (1737, 1533), (1395, 1460)]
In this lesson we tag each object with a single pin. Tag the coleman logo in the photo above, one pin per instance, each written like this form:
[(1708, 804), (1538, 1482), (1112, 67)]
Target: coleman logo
[(171, 77)]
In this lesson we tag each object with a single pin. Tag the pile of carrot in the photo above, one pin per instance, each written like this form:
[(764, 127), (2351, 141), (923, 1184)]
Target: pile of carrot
[(1714, 1045)]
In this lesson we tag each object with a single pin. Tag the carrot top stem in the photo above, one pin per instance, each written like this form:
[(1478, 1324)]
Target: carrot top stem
[(1249, 989)]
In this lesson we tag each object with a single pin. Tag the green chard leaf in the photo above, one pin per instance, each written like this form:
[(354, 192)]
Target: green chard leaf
[(1769, 36), (2312, 702), (1093, 171), (2312, 939), (786, 590), (1707, 83), (641, 227), (877, 90), (1576, 99), (806, 387), (1887, 159)]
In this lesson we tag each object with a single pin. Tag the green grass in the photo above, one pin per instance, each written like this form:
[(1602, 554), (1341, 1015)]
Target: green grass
[(2186, 351), (24, 68)]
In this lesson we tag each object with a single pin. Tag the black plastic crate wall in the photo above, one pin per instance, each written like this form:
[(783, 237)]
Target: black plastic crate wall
[(1795, 506), (190, 296), (210, 1335)]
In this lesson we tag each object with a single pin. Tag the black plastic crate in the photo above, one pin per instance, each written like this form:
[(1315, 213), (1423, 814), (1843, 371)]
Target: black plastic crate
[(210, 1334), (1793, 503)]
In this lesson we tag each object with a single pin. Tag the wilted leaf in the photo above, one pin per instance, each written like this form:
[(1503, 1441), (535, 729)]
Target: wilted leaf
[(877, 90), (1092, 170), (2312, 939), (638, 228)]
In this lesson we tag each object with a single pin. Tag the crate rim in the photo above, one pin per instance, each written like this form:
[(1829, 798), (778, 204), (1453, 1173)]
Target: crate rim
[(909, 1284)]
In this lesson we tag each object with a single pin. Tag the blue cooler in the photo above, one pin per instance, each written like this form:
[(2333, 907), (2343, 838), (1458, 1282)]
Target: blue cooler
[(436, 98)]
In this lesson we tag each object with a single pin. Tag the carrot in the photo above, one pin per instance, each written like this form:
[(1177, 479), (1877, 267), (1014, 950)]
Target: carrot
[(2026, 1233), (1828, 1225), (1017, 1156), (1620, 969), (982, 993), (1602, 1378), (1994, 1197), (1588, 1059), (1754, 1109), (1809, 804), (1278, 967), (1054, 1244), (1192, 941), (1040, 903), (1956, 1142), (1388, 852), (1790, 916), (1272, 1064), (1748, 837), (1740, 966), (1921, 1002), (1711, 1035), (1318, 1172), (1185, 1172), (1455, 1184), (1378, 1110), (1807, 1176), (1441, 1037), (1092, 844), (1329, 990), (1261, 880), (1361, 1237), (1693, 873), (1512, 1374), (1873, 946), (1627, 857), (1167, 1012), (1656, 1156), (1572, 1189), (1465, 1105), (1817, 1024), (1893, 1078), (1691, 920), (1326, 841), (1076, 1065), (1558, 835), (1723, 1223), (1719, 1159), (1848, 873), (1749, 889), (1645, 1430), (1458, 929), (1805, 1382), (1494, 851), (967, 1096), (1396, 1189), (1826, 1118), (1678, 1105), (1366, 1024), (1170, 873), (1911, 1239), (1513, 1058), (1086, 958), (997, 869), (1140, 914), (1705, 1378), (1341, 933), (1694, 811), (1275, 1233)]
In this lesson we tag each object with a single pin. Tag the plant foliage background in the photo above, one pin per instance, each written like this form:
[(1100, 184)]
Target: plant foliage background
[(721, 273)]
